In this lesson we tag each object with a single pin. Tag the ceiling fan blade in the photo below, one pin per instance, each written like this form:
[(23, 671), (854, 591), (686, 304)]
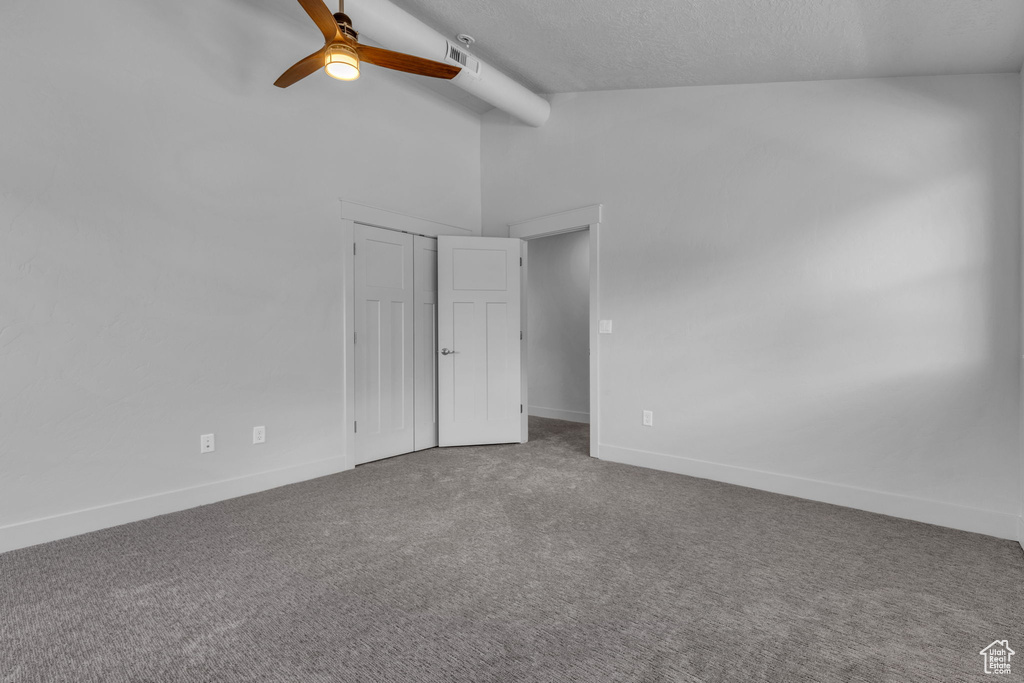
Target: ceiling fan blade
[(407, 63), (302, 68), (323, 18)]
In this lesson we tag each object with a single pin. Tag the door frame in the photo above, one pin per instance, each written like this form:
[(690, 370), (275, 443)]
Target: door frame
[(584, 218), (352, 213)]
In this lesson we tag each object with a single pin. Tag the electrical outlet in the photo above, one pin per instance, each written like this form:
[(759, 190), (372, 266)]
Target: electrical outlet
[(648, 418), (259, 434), (206, 444), (605, 327)]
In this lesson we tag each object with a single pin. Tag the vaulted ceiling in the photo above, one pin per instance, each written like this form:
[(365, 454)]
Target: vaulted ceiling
[(577, 45)]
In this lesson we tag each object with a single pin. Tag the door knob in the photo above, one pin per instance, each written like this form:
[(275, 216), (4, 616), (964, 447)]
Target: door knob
[(445, 352)]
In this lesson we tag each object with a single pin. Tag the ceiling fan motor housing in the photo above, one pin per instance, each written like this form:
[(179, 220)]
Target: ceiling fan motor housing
[(345, 25)]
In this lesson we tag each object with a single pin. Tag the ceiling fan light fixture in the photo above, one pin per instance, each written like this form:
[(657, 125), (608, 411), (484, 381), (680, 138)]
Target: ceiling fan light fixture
[(342, 63)]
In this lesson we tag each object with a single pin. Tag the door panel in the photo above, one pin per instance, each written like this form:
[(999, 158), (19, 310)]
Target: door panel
[(425, 272), (384, 362), (479, 323), (479, 269), (498, 378)]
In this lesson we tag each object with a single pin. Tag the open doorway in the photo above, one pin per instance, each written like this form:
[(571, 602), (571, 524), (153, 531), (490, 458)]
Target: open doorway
[(558, 315), (586, 219)]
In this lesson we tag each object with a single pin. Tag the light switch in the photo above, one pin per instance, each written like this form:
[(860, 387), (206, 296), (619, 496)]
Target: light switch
[(605, 327)]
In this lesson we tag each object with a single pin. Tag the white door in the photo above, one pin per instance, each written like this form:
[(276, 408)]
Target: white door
[(479, 331), (384, 299), (425, 272)]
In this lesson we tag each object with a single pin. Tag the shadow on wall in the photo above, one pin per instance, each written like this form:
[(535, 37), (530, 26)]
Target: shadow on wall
[(884, 292)]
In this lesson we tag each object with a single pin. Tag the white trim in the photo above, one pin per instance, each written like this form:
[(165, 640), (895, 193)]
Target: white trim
[(393, 220), (585, 218), (33, 532), (595, 339), (524, 343), (559, 414), (556, 223), (979, 521), (348, 350), (1020, 531)]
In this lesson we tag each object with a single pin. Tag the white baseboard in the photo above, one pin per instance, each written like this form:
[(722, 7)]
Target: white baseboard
[(33, 532), (1001, 525), (1020, 531), (558, 414)]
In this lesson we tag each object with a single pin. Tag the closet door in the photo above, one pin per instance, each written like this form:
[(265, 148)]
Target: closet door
[(425, 270), (479, 330), (384, 324)]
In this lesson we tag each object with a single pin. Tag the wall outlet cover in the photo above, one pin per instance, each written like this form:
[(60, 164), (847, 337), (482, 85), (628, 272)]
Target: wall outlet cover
[(206, 443), (259, 434), (648, 418), (605, 327)]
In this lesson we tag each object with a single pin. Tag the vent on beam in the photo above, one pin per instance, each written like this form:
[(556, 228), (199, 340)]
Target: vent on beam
[(457, 56)]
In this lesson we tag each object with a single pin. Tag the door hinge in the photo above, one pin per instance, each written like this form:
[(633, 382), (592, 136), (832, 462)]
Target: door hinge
[(353, 249), (520, 261), (520, 335), (355, 427), (355, 337), (520, 408)]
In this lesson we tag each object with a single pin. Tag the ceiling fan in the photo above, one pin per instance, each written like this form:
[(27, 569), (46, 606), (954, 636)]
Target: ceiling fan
[(342, 54)]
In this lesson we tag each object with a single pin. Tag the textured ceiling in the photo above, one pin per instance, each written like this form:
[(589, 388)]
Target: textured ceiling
[(575, 45)]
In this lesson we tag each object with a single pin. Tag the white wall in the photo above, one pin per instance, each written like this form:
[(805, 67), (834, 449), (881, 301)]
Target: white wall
[(170, 260), (558, 313), (814, 285)]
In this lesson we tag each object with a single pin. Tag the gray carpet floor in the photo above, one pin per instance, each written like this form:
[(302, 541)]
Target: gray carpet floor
[(511, 563)]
